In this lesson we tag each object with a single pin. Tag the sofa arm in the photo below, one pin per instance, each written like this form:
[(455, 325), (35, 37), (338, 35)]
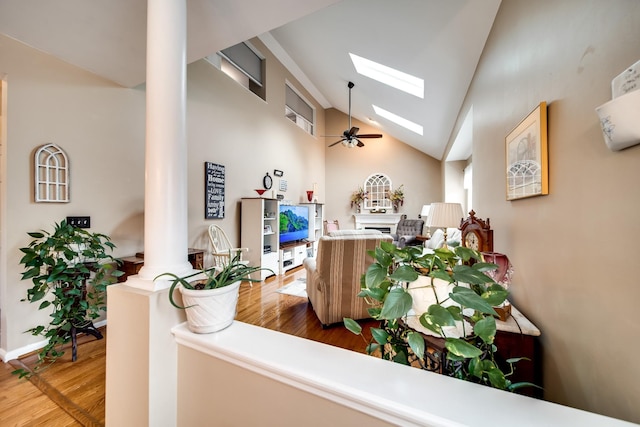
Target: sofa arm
[(309, 264), (408, 241)]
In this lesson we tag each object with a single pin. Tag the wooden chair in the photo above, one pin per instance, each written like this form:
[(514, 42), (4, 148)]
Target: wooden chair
[(331, 226), (222, 250)]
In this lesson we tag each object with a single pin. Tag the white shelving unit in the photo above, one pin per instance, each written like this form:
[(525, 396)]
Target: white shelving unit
[(259, 233), (316, 212), (291, 256)]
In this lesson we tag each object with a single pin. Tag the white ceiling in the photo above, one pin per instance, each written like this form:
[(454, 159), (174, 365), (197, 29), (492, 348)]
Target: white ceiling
[(437, 40)]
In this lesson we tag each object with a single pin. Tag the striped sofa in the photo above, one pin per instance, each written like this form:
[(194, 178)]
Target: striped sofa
[(333, 277)]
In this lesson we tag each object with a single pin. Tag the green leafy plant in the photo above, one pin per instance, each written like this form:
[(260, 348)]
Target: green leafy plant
[(469, 304), (70, 270), (213, 278)]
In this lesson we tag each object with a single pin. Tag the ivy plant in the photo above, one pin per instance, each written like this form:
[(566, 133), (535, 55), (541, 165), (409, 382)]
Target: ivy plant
[(70, 269), (470, 302)]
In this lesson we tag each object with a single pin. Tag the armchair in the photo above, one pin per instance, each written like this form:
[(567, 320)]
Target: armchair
[(333, 277), (406, 232)]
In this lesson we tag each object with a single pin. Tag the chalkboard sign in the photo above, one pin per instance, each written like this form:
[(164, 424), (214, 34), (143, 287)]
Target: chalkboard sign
[(213, 190)]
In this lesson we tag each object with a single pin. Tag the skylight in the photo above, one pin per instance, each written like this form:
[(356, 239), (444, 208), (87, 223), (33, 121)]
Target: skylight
[(407, 124), (389, 76)]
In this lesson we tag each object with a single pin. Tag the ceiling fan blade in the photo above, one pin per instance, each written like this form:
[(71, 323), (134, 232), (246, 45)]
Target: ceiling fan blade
[(353, 131), (369, 135), (360, 143), (337, 142)]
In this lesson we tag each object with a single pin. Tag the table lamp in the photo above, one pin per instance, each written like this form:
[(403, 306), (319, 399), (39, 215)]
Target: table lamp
[(424, 214), (444, 215)]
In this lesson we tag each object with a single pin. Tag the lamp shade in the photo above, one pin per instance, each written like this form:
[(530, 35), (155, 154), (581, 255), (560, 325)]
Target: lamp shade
[(445, 215), (425, 211)]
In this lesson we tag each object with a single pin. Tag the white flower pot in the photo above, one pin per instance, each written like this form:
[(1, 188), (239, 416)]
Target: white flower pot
[(210, 310), (421, 291), (423, 296)]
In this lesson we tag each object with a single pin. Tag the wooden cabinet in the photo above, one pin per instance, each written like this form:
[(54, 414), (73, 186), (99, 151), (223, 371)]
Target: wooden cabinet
[(516, 337), (259, 233), (132, 264)]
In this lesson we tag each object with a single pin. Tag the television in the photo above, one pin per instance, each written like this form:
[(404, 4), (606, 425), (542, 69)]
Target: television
[(294, 223)]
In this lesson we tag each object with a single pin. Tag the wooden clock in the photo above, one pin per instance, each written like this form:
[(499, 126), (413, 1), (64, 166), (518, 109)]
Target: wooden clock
[(476, 233)]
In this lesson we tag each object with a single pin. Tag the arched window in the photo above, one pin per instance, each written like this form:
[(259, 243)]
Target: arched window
[(377, 187), (52, 174)]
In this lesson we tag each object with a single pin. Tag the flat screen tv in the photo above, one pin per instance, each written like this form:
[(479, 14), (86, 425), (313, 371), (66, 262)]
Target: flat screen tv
[(294, 223)]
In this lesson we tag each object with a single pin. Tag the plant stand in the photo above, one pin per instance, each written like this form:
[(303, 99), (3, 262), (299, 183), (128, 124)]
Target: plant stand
[(87, 328)]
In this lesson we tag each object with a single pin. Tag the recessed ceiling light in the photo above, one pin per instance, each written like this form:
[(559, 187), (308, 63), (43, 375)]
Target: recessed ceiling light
[(407, 124), (389, 76)]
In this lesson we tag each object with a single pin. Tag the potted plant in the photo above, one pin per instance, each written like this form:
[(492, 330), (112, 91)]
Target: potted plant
[(396, 197), (357, 197), (449, 297), (70, 270), (210, 296)]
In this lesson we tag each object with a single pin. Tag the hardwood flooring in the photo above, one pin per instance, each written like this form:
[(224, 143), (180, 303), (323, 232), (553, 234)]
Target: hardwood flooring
[(73, 394)]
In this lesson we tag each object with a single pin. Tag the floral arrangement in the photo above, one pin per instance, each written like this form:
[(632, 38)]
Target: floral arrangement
[(357, 197), (396, 197)]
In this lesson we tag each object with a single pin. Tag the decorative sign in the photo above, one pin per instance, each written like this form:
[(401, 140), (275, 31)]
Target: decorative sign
[(213, 191)]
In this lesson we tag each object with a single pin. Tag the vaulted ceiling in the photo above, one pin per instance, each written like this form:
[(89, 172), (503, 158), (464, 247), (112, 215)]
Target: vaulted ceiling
[(438, 41)]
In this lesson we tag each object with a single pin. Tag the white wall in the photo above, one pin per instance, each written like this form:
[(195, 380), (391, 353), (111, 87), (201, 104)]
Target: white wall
[(348, 168), (574, 251), (101, 127)]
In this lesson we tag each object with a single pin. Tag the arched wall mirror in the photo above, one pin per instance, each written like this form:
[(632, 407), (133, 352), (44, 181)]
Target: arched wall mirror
[(377, 187)]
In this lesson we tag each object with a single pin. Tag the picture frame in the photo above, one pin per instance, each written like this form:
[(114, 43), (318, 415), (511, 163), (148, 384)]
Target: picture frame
[(527, 158)]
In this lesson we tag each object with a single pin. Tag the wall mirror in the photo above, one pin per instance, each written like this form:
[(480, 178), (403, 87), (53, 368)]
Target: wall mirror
[(377, 187)]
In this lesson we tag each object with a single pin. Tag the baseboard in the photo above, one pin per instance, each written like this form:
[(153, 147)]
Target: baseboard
[(21, 351)]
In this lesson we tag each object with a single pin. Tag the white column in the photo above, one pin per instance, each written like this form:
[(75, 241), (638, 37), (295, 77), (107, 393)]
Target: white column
[(141, 378), (165, 222)]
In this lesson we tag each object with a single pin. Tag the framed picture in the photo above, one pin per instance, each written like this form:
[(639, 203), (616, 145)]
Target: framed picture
[(527, 163)]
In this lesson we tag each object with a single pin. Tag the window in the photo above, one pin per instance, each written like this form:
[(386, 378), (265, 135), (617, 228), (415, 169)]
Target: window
[(298, 110), (468, 185), (52, 174), (377, 187), (244, 64)]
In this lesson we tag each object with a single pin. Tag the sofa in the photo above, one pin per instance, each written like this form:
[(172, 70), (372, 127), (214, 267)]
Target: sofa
[(454, 236), (333, 276)]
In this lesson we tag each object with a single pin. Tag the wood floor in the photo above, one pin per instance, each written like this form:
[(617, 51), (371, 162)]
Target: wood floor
[(72, 393)]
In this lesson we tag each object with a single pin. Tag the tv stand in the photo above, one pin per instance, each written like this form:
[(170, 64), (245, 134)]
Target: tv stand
[(292, 254)]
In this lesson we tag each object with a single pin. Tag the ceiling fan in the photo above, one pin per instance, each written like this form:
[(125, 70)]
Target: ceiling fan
[(350, 137)]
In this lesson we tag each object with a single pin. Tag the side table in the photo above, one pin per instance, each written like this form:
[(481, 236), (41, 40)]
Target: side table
[(131, 265)]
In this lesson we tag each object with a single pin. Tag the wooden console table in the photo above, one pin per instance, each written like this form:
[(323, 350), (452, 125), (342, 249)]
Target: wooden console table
[(132, 264), (516, 337)]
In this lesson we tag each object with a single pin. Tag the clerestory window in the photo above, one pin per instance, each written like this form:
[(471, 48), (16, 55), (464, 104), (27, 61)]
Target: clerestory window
[(298, 110), (245, 64)]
